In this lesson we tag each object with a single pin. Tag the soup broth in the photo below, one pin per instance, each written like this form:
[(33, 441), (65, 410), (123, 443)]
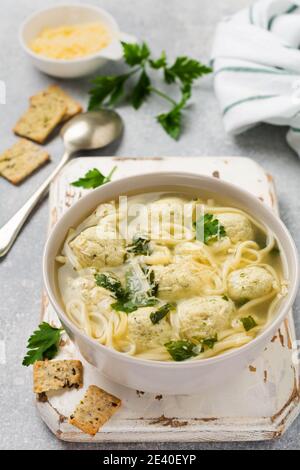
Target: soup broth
[(168, 277)]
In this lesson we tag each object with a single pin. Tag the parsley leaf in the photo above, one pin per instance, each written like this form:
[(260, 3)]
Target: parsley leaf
[(42, 344), (159, 63), (141, 90), (132, 297), (209, 343), (209, 229), (248, 323), (107, 90), (186, 70), (181, 350), (110, 283), (93, 178), (240, 302), (140, 246), (135, 54), (160, 313), (171, 121), (123, 303), (126, 305), (149, 273), (140, 286)]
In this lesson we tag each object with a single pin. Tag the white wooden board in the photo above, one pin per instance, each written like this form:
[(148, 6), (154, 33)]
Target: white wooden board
[(258, 404)]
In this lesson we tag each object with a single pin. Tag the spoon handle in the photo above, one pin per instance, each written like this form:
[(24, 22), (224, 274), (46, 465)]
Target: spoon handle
[(9, 231)]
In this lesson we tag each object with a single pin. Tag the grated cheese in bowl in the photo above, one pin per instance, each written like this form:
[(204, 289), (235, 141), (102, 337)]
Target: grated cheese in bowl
[(69, 42)]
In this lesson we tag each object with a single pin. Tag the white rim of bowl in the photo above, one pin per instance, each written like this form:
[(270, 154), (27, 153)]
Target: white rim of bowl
[(66, 61), (188, 364)]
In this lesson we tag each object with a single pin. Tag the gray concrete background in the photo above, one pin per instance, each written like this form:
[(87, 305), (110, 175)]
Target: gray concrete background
[(179, 28)]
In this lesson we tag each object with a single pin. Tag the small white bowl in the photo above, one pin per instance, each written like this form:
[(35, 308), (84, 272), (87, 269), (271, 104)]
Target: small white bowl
[(170, 377), (67, 15)]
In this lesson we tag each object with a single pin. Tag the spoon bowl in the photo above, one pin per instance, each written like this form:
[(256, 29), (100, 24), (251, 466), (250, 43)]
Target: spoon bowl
[(91, 130)]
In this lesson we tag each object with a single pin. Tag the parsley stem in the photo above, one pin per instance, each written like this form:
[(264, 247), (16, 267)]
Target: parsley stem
[(162, 95), (134, 71), (108, 178)]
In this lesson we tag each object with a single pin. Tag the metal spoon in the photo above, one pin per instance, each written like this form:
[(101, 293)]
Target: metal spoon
[(86, 131)]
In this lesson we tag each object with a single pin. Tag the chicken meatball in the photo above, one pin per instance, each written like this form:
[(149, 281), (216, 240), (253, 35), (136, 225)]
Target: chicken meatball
[(91, 250), (169, 205), (250, 283), (144, 333), (204, 317), (89, 292), (184, 278), (238, 228)]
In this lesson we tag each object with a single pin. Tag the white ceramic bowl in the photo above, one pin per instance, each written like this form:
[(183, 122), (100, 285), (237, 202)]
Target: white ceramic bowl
[(169, 377), (66, 15)]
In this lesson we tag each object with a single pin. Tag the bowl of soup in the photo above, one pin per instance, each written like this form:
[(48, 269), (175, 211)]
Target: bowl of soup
[(168, 282)]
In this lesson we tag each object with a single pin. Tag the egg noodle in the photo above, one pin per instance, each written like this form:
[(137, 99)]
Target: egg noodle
[(166, 277)]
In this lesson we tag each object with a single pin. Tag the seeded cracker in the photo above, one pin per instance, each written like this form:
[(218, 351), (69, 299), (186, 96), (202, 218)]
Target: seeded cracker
[(41, 118), (55, 375), (54, 91), (96, 408), (20, 160)]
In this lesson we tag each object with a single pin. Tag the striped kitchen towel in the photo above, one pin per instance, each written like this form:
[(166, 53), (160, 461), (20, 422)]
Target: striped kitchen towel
[(256, 60)]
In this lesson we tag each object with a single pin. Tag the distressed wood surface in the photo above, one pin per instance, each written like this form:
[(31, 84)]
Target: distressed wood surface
[(258, 404)]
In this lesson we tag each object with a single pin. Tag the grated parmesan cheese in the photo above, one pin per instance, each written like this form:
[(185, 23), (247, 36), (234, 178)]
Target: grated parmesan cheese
[(71, 41)]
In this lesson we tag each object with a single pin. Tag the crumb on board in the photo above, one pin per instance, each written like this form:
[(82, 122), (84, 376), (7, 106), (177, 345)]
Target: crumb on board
[(172, 422), (281, 338)]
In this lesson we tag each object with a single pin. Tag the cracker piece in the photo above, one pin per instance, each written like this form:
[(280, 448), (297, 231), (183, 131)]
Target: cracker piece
[(96, 408), (55, 375), (72, 106), (41, 118), (22, 159)]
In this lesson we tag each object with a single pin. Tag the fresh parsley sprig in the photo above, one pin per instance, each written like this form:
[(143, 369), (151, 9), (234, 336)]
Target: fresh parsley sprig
[(248, 323), (161, 312), (181, 350), (107, 90), (110, 283), (127, 300), (42, 344), (93, 178), (209, 343), (209, 229), (140, 245)]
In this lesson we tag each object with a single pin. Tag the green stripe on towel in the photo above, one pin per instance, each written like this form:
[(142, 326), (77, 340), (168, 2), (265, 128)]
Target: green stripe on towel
[(251, 18), (291, 9), (255, 70), (295, 129), (245, 100)]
